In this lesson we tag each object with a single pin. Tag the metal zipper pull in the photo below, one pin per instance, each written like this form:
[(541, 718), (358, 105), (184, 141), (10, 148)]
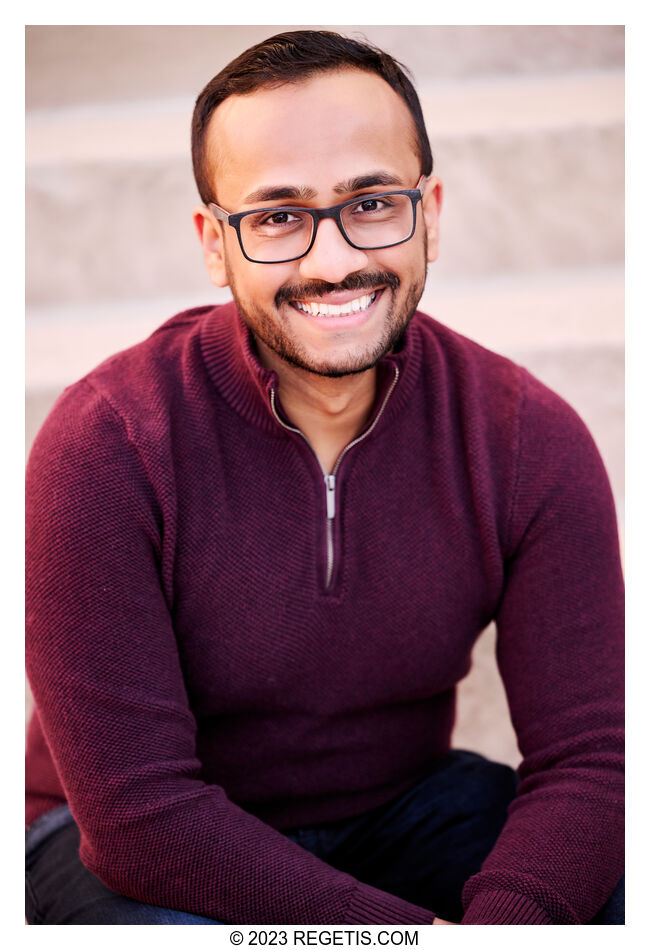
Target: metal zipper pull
[(330, 486), (330, 496)]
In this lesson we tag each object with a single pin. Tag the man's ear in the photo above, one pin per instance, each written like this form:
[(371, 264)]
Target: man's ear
[(211, 237), (431, 206)]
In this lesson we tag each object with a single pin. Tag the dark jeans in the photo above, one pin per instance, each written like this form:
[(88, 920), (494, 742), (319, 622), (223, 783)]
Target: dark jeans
[(422, 846)]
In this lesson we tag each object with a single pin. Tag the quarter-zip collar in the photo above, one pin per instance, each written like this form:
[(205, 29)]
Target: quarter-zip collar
[(232, 362), (330, 477)]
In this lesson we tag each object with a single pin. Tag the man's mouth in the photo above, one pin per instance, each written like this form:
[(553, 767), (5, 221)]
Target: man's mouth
[(317, 308)]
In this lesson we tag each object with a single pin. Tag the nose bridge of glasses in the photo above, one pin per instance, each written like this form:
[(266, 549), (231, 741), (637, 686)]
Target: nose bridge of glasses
[(331, 254), (337, 229), (320, 214)]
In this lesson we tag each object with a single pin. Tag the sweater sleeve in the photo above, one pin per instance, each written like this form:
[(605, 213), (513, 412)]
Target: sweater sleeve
[(104, 668), (560, 654)]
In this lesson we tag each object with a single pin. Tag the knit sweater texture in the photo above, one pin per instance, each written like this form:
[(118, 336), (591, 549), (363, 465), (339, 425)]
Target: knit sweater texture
[(215, 660)]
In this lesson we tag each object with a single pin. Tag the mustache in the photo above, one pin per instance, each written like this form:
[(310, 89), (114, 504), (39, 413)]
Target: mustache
[(319, 288)]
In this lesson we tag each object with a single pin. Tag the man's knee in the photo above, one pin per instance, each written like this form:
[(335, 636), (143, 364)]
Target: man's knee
[(477, 784)]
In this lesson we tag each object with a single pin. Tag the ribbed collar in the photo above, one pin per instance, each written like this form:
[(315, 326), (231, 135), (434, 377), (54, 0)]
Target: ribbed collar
[(233, 365)]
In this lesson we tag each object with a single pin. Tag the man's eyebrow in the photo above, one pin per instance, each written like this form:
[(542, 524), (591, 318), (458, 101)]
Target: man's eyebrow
[(366, 181), (305, 193), (280, 193)]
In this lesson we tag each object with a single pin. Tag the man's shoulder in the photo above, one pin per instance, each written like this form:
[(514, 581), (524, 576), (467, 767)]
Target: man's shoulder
[(153, 362), (150, 372), (494, 384), (133, 393), (464, 365)]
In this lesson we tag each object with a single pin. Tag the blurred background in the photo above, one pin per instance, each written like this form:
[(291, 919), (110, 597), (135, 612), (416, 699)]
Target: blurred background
[(527, 129)]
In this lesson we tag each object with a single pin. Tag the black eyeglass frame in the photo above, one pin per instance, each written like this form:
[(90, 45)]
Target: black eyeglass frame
[(317, 215)]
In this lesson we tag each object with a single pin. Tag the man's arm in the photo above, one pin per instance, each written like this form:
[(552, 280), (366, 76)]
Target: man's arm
[(560, 653), (104, 666)]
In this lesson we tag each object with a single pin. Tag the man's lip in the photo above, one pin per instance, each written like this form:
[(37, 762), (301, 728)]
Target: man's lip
[(338, 297)]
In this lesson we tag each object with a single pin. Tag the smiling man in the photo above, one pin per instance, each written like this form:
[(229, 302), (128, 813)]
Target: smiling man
[(263, 542), (326, 297)]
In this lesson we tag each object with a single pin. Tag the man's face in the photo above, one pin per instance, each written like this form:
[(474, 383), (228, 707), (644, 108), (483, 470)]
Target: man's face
[(318, 143)]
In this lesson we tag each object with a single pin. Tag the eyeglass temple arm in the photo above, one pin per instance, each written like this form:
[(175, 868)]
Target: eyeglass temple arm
[(218, 212)]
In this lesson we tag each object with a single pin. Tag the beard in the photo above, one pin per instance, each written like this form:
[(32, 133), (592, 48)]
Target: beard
[(270, 330)]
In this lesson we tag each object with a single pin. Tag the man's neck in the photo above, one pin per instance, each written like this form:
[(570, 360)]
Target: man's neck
[(329, 412)]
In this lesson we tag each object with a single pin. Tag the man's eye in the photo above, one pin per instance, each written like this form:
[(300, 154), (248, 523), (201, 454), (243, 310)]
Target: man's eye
[(274, 223), (279, 218), (371, 205)]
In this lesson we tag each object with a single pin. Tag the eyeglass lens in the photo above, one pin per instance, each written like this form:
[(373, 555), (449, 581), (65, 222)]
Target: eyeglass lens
[(277, 235)]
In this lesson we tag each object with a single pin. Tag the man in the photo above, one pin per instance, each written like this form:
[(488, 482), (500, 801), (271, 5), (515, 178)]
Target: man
[(262, 544)]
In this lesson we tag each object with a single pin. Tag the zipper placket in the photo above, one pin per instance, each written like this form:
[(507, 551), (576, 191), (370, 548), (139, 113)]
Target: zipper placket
[(330, 478)]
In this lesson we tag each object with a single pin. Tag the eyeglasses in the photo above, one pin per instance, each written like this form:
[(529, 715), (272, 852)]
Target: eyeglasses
[(368, 223)]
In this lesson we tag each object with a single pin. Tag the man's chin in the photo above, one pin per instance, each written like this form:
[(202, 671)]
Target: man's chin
[(335, 367), (333, 371)]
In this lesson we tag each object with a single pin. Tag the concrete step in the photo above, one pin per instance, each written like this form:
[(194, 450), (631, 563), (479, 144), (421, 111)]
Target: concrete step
[(94, 64), (532, 310), (153, 128), (482, 718)]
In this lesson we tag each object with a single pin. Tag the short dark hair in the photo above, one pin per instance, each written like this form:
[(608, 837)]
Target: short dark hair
[(291, 57)]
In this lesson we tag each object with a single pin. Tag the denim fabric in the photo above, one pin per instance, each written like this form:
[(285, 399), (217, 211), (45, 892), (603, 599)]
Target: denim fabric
[(422, 846)]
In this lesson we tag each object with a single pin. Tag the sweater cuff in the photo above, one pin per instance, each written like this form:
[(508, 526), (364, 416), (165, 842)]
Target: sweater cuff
[(504, 907), (372, 906)]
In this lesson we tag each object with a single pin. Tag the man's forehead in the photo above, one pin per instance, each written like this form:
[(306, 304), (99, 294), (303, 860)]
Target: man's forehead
[(334, 127)]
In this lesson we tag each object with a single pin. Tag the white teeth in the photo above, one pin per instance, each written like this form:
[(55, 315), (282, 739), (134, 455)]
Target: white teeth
[(332, 310)]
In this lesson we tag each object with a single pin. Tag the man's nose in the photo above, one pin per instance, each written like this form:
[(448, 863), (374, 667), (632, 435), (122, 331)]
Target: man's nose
[(331, 258)]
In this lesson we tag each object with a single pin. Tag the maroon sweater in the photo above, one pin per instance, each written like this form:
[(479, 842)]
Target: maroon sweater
[(214, 659)]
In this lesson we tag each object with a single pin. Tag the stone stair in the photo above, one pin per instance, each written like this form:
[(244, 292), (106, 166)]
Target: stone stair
[(526, 125)]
